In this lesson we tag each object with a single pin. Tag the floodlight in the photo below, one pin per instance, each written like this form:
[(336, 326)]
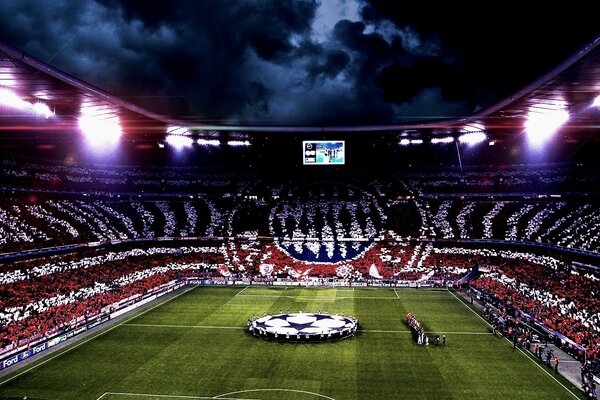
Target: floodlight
[(472, 138), (238, 143), (208, 142), (100, 130), (179, 142), (42, 109), (541, 125), (11, 99), (447, 139)]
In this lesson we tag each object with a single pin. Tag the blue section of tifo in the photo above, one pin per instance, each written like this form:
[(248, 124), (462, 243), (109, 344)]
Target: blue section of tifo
[(353, 249)]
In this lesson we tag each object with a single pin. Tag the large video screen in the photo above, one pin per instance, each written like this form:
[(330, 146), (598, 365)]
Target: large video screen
[(323, 152)]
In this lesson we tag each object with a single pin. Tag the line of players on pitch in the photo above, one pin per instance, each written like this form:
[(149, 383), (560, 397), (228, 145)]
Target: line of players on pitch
[(417, 329)]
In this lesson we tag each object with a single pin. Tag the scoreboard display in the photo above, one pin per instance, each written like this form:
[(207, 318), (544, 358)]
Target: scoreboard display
[(323, 152)]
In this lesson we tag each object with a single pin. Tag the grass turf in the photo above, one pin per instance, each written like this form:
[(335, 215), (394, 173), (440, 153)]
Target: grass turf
[(195, 346)]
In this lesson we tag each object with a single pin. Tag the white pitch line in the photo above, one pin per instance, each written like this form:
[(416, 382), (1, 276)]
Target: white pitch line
[(240, 292), (186, 326), (470, 309), (274, 390), (102, 395), (93, 337), (521, 350), (171, 396), (396, 294), (308, 298), (443, 333)]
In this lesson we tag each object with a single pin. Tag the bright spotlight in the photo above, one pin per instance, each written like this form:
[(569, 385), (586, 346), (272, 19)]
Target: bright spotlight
[(238, 143), (540, 126), (447, 139), (42, 109), (472, 138), (179, 142), (596, 102), (404, 142), (416, 141), (208, 142), (99, 131), (11, 99)]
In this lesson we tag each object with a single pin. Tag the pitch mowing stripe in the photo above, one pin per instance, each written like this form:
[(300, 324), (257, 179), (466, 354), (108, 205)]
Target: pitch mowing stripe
[(186, 326), (308, 298), (93, 337), (443, 333), (170, 396), (243, 328), (521, 350)]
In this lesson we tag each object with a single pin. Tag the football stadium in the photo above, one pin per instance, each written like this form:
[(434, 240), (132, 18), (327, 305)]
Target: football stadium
[(149, 253)]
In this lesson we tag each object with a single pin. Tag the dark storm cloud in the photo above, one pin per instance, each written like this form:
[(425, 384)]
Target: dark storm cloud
[(284, 62)]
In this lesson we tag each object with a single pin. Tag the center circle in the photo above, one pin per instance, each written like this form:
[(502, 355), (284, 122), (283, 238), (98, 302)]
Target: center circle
[(303, 327)]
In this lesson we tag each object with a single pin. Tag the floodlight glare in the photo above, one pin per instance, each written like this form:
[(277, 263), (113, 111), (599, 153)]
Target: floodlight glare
[(99, 131), (596, 102), (447, 139), (237, 143), (472, 138), (208, 142), (404, 142), (416, 141), (179, 142), (11, 99), (42, 109), (540, 126)]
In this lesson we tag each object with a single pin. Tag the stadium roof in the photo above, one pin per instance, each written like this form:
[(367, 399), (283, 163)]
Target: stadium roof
[(571, 89)]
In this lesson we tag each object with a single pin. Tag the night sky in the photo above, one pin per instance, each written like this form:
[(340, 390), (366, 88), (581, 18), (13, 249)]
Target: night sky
[(279, 62)]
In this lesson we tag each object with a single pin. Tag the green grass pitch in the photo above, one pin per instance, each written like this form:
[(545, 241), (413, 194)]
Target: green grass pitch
[(195, 346)]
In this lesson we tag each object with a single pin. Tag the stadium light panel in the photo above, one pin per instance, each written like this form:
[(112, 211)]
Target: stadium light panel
[(238, 143), (179, 142), (447, 139), (404, 142), (178, 130), (541, 125), (472, 138), (416, 141), (596, 102), (208, 142)]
